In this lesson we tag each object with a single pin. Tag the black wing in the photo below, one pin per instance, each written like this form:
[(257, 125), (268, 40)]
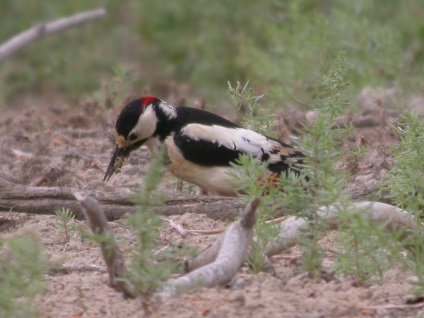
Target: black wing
[(215, 145)]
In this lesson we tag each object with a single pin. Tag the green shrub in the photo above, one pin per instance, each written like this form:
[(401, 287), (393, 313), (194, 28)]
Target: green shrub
[(22, 268), (405, 184)]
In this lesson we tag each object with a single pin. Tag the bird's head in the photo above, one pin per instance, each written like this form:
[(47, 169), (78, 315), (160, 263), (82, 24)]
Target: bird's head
[(136, 124)]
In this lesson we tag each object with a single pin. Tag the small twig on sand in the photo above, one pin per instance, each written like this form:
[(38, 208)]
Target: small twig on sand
[(66, 269), (221, 230), (208, 232), (235, 244), (38, 31), (115, 202), (111, 253), (176, 227), (183, 232), (277, 220), (390, 306)]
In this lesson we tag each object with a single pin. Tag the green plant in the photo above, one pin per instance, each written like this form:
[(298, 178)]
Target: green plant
[(248, 104), (324, 185), (145, 271), (365, 249), (249, 173), (405, 183), (21, 275), (320, 186), (252, 171), (64, 222)]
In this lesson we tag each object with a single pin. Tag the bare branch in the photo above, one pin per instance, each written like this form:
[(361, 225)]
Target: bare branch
[(235, 245), (115, 203), (41, 30), (111, 253)]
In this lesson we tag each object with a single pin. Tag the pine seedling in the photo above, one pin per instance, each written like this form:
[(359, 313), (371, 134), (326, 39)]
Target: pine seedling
[(21, 275), (64, 222), (325, 185), (405, 184), (248, 173), (365, 249), (145, 272)]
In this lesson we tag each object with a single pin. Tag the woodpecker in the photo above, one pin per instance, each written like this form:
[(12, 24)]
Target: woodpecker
[(200, 145)]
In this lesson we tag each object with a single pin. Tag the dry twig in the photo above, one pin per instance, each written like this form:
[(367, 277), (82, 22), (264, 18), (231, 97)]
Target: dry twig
[(207, 232), (115, 203), (38, 31), (111, 253), (177, 227), (235, 245), (66, 269)]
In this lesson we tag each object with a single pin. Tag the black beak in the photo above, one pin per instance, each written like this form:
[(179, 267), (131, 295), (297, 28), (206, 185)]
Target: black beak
[(118, 158)]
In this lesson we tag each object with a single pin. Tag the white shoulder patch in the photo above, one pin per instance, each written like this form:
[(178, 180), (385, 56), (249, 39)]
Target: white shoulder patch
[(169, 111), (240, 139)]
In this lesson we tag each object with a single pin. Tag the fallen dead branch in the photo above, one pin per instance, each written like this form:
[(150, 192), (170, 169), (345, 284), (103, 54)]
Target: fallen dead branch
[(115, 203), (393, 218), (233, 250), (206, 256), (231, 255), (41, 30), (111, 253), (220, 262)]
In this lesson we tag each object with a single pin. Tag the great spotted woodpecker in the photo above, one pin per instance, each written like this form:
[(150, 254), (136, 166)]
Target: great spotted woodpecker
[(200, 145)]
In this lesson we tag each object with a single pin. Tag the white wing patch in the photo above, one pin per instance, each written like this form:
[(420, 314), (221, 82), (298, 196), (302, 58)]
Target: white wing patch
[(240, 139)]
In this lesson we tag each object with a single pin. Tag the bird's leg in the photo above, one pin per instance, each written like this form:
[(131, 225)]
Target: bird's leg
[(201, 191)]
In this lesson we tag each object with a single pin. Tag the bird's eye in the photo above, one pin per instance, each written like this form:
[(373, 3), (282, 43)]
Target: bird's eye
[(132, 137)]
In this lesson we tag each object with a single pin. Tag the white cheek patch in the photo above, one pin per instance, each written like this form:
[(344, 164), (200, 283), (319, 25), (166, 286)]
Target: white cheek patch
[(146, 124)]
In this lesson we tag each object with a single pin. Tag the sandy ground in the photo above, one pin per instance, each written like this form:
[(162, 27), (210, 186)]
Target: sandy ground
[(71, 146)]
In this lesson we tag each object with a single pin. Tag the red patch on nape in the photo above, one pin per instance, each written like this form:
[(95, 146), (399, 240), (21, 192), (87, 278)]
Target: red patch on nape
[(147, 100)]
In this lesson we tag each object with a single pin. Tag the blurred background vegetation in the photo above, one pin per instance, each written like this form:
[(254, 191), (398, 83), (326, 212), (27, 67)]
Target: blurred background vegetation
[(283, 48)]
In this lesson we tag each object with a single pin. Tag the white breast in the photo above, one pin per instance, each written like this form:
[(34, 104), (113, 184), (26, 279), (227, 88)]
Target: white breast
[(211, 179)]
